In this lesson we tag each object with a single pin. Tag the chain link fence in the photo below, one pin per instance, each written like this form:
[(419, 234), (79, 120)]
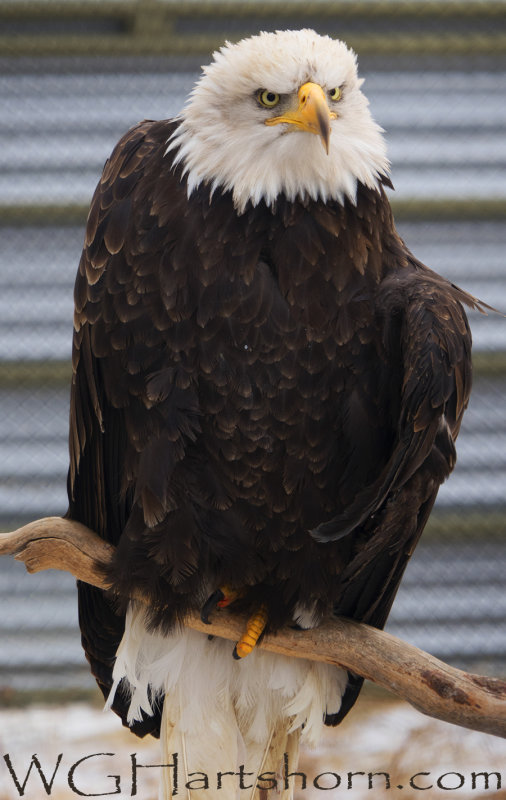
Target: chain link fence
[(73, 78)]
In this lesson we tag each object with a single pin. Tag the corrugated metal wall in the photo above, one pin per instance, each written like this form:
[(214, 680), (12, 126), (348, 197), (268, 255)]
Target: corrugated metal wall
[(73, 77)]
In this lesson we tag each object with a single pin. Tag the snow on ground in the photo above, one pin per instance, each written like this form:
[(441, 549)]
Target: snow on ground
[(63, 736), (82, 751), (414, 756)]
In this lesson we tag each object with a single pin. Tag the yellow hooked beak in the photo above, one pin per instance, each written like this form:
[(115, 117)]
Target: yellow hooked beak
[(313, 113)]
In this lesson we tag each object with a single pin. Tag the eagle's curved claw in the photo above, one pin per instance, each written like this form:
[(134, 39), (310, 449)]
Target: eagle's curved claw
[(210, 604), (221, 598), (254, 629)]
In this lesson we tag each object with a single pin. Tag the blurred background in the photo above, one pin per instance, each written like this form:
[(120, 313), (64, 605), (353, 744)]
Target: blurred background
[(73, 77)]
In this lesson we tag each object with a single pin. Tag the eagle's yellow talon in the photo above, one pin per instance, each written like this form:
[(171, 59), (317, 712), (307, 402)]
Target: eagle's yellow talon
[(254, 629)]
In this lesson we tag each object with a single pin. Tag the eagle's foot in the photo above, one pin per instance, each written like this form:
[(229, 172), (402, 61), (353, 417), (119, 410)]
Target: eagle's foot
[(254, 629), (221, 598)]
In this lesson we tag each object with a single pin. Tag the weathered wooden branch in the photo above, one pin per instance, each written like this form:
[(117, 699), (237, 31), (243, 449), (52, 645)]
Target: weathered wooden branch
[(430, 685)]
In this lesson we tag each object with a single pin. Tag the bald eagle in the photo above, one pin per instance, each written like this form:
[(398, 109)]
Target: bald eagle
[(267, 388)]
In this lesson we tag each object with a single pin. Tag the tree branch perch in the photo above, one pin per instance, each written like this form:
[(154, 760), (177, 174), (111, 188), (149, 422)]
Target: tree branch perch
[(430, 685)]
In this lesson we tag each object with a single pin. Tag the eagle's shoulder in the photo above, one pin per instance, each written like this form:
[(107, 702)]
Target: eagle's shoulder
[(128, 193)]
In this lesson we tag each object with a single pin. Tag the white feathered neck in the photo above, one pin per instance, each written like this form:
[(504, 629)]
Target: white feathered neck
[(222, 139)]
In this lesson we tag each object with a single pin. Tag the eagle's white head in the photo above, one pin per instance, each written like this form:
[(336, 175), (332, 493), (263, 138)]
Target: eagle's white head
[(280, 113)]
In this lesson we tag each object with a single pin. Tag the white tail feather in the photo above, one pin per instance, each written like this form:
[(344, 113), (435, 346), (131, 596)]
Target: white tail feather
[(220, 713)]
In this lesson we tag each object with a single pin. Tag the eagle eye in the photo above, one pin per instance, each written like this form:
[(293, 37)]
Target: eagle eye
[(267, 98), (336, 93)]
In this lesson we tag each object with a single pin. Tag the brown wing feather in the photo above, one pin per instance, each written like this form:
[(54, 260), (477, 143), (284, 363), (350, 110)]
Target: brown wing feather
[(435, 389), (97, 496), (425, 312)]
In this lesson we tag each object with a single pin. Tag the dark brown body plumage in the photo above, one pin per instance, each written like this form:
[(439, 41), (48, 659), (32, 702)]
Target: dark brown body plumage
[(267, 401)]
